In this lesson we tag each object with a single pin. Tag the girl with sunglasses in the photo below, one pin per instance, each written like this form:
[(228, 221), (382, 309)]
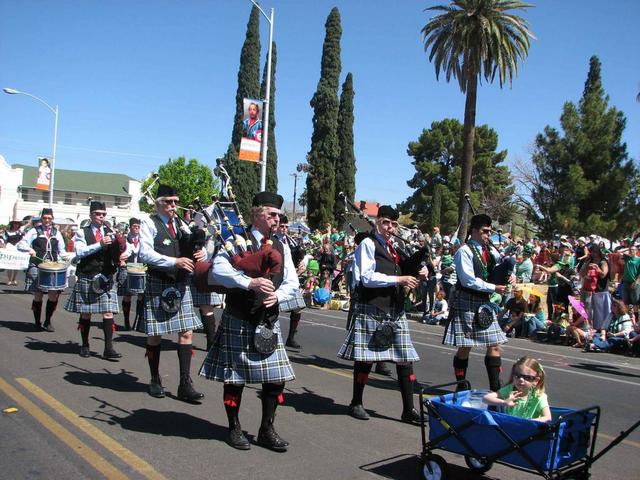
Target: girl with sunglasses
[(524, 395)]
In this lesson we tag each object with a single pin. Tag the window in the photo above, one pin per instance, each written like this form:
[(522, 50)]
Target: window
[(45, 195), (68, 198)]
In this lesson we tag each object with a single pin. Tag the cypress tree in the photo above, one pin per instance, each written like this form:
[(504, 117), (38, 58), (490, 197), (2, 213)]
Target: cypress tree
[(324, 140), (346, 165), (436, 208), (272, 152), (245, 175)]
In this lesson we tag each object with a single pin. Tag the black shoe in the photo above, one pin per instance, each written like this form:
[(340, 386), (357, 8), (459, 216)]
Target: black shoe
[(85, 352), (187, 393), (358, 411), (411, 416), (111, 354), (156, 389), (268, 438), (48, 327), (291, 343), (237, 440), (38, 327), (126, 327), (382, 369)]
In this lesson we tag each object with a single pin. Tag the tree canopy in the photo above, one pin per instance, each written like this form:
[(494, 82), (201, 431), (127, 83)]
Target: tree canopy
[(346, 163), (272, 152)]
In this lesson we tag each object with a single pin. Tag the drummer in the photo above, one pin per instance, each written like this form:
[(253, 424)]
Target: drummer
[(133, 243), (95, 291), (44, 243)]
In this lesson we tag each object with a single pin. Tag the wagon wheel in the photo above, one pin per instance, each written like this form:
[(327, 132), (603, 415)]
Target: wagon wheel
[(433, 467), (477, 465)]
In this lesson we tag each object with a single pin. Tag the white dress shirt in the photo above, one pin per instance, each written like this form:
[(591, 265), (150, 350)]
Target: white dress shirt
[(364, 267), (463, 261)]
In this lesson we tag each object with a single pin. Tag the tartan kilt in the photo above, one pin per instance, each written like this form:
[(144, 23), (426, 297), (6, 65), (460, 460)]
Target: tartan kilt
[(31, 280), (233, 358), (84, 300), (203, 298), (358, 346), (158, 322), (293, 303), (462, 330)]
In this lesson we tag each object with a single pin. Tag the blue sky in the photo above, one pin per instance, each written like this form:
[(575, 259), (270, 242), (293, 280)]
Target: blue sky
[(139, 82)]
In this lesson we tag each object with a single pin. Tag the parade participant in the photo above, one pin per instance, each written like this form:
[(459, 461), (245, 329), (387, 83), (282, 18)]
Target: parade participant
[(165, 248), (43, 242), (234, 359), (11, 236), (474, 264), (133, 241), (96, 291), (379, 330), (296, 303)]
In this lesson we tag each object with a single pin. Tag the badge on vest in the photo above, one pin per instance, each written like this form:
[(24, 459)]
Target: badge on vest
[(167, 241)]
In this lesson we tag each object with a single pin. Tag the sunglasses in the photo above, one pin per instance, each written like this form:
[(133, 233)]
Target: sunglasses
[(485, 230), (527, 378), (389, 222), (99, 214), (170, 202)]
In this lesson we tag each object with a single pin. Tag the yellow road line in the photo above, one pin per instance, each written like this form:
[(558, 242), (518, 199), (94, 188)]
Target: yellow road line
[(630, 443), (126, 455), (84, 451)]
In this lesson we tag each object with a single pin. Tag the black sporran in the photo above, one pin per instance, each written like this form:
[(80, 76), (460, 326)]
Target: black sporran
[(101, 284), (486, 315), (171, 300), (383, 336), (265, 339)]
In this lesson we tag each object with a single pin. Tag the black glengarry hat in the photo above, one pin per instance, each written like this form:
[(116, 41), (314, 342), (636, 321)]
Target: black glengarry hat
[(133, 221), (480, 220), (268, 199), (166, 191), (387, 211), (46, 211), (93, 206), (284, 220)]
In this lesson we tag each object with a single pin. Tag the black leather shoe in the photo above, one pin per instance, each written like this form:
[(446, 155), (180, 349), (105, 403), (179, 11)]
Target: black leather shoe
[(85, 352), (48, 327), (187, 393), (411, 416), (237, 440), (291, 343), (268, 438), (382, 369), (156, 389), (358, 411), (111, 354)]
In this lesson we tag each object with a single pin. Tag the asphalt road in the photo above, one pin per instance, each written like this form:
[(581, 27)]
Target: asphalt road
[(89, 418)]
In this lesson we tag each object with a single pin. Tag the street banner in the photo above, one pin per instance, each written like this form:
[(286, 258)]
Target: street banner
[(13, 259), (44, 174), (251, 142)]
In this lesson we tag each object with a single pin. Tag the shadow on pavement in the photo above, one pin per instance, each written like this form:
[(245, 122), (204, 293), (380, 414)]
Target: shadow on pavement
[(69, 347), (408, 467), (310, 402), (122, 381), (608, 369), (19, 326)]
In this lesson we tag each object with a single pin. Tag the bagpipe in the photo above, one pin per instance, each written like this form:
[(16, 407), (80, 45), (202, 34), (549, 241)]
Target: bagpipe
[(410, 262), (230, 229)]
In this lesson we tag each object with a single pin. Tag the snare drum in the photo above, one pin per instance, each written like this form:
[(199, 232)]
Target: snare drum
[(136, 277), (52, 276)]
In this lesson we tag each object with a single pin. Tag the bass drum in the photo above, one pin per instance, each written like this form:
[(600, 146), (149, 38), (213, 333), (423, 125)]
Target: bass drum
[(233, 220)]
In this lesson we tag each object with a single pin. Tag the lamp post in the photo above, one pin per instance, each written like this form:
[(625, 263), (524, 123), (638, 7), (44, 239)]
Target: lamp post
[(13, 91), (265, 123)]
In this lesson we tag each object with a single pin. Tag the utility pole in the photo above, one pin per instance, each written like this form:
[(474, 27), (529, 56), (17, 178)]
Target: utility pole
[(295, 186)]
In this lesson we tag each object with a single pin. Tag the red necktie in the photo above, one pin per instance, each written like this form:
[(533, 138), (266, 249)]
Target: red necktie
[(98, 235), (172, 230), (392, 251), (135, 242), (485, 254)]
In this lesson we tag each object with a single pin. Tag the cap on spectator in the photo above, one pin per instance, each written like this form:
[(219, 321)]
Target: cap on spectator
[(563, 237), (592, 236), (582, 239)]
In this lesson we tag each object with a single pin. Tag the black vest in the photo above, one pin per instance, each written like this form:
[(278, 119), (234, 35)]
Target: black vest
[(385, 298), (135, 256), (40, 245), (478, 272), (100, 261), (170, 247), (240, 303), (13, 238)]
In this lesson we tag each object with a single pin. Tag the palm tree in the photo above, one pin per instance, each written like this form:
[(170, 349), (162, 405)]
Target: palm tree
[(472, 39)]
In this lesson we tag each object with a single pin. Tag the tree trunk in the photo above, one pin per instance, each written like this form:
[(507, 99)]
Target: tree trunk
[(469, 134)]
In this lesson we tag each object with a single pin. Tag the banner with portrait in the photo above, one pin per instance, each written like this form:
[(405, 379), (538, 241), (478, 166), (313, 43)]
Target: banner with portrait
[(251, 142), (44, 174)]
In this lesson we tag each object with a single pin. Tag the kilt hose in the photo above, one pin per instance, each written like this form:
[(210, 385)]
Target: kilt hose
[(295, 302), (359, 347), (462, 330), (204, 298), (84, 300), (234, 360), (156, 321)]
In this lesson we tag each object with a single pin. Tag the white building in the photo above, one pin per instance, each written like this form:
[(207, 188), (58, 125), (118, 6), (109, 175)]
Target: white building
[(73, 189)]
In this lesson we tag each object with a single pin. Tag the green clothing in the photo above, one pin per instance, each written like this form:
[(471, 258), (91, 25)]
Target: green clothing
[(631, 269), (553, 279), (529, 407), (524, 271)]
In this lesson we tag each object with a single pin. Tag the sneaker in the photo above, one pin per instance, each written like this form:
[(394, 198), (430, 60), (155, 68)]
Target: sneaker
[(358, 411)]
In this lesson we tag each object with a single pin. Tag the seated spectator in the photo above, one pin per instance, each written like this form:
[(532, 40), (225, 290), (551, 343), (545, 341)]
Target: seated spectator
[(558, 323), (615, 337), (634, 340), (516, 308), (439, 312), (535, 319), (580, 329)]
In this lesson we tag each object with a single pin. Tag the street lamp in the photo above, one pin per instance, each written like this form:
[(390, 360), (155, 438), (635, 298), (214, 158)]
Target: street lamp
[(265, 123), (13, 91)]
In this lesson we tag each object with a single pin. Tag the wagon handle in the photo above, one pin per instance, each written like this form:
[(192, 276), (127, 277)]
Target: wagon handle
[(624, 434)]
